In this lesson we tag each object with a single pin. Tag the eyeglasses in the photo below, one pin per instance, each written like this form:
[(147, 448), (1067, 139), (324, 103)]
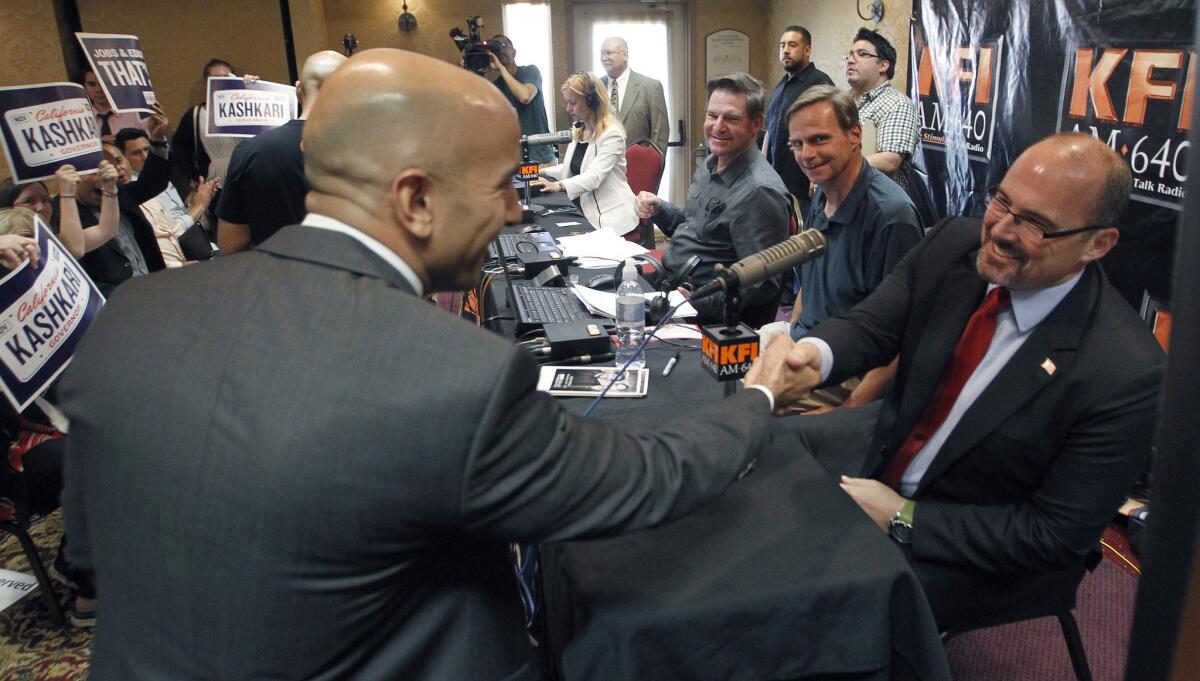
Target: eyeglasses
[(858, 54), (1031, 228)]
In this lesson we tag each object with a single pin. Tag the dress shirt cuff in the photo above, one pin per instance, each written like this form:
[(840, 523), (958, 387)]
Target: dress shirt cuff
[(826, 355), (766, 391)]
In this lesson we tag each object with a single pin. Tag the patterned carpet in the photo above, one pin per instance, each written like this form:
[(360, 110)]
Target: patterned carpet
[(32, 647)]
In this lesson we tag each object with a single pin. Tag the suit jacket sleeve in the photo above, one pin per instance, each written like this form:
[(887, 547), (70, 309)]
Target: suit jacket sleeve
[(538, 473), (869, 335), (660, 125), (1101, 456), (610, 150), (152, 181)]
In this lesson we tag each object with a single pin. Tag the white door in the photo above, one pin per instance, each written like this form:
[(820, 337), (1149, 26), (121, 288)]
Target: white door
[(658, 48)]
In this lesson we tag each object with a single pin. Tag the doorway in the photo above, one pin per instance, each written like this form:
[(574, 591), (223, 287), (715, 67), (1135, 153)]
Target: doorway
[(658, 48)]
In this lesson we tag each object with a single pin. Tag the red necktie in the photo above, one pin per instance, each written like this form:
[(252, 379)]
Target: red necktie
[(972, 346)]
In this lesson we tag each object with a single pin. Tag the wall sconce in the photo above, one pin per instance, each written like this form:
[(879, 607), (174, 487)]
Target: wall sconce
[(874, 10), (408, 21)]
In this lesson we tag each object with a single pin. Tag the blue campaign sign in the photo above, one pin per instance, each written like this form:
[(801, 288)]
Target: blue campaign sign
[(121, 69), (46, 126), (240, 109), (43, 314)]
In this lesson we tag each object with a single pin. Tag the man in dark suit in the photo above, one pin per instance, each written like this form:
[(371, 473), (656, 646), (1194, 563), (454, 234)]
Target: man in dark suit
[(325, 472), (1014, 428), (637, 101)]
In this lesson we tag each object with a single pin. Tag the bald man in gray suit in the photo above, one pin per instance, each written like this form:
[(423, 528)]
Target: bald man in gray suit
[(322, 483), (642, 106)]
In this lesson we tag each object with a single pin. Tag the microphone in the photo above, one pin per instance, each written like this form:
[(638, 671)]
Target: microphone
[(560, 137), (766, 263)]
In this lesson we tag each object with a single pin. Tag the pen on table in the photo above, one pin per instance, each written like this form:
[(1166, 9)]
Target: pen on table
[(671, 364)]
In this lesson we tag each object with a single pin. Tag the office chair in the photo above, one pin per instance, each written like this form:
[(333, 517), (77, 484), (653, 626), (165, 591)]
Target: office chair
[(15, 515), (1056, 598), (644, 169)]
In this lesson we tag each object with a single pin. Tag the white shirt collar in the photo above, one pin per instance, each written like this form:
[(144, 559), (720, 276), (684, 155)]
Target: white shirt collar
[(622, 79), (389, 256), (1031, 307)]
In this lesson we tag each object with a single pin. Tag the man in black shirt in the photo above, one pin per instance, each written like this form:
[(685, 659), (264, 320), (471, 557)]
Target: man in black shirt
[(265, 186), (799, 74)]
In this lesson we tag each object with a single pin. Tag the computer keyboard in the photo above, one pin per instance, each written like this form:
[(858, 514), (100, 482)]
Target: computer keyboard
[(523, 243), (542, 305)]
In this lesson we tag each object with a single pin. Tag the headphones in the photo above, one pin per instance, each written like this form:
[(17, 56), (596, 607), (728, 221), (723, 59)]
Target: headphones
[(590, 96)]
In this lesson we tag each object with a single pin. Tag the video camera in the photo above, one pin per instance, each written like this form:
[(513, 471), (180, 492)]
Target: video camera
[(474, 49)]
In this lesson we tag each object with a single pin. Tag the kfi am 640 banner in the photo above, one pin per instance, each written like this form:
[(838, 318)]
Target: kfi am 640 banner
[(991, 77)]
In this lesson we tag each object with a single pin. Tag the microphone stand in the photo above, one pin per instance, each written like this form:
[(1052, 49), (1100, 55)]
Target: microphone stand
[(525, 176), (733, 333)]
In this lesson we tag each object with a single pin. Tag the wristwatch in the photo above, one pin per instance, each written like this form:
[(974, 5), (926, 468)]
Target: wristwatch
[(901, 524)]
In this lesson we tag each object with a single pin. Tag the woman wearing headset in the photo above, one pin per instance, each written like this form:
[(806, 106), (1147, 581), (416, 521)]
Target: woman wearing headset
[(593, 171)]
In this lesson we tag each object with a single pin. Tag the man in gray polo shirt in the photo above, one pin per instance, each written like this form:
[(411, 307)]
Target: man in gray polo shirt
[(736, 206), (868, 221)]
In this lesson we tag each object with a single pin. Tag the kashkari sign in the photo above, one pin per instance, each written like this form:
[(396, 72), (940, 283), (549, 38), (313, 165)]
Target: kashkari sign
[(46, 126), (240, 109), (44, 312)]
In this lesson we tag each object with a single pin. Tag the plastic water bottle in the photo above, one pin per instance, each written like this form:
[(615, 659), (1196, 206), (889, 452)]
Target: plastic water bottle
[(631, 318)]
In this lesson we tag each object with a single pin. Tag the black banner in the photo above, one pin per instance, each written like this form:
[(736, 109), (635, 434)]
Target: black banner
[(991, 77)]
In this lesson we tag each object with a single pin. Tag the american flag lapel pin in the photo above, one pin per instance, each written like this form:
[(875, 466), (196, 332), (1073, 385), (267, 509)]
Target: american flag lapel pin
[(1048, 366)]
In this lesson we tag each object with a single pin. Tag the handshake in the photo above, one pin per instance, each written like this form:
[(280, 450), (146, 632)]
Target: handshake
[(790, 370)]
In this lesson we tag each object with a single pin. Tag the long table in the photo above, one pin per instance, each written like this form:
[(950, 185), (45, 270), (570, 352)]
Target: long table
[(782, 577)]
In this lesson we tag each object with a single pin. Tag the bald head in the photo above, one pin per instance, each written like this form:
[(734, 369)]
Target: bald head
[(419, 154), (1100, 173), (316, 69), (386, 110), (614, 56)]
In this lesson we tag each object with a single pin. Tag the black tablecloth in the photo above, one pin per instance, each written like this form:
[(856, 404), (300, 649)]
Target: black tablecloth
[(782, 577)]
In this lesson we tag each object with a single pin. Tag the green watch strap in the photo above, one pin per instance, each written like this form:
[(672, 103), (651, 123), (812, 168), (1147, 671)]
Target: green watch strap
[(906, 512)]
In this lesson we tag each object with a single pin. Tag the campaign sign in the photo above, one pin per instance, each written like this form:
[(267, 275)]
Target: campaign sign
[(43, 314), (46, 126), (238, 109), (121, 69)]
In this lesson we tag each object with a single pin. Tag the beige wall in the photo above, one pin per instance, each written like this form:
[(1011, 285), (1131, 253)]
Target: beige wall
[(179, 37), (30, 37), (708, 16), (310, 32), (373, 22), (833, 24)]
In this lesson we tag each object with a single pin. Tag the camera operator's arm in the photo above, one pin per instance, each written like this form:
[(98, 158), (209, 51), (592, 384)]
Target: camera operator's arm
[(524, 92)]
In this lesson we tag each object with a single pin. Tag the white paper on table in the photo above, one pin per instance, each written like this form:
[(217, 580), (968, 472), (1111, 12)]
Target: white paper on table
[(596, 263), (677, 331), (601, 243), (14, 586), (604, 303)]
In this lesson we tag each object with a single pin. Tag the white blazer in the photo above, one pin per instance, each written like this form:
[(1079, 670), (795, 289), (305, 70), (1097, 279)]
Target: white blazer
[(601, 185)]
